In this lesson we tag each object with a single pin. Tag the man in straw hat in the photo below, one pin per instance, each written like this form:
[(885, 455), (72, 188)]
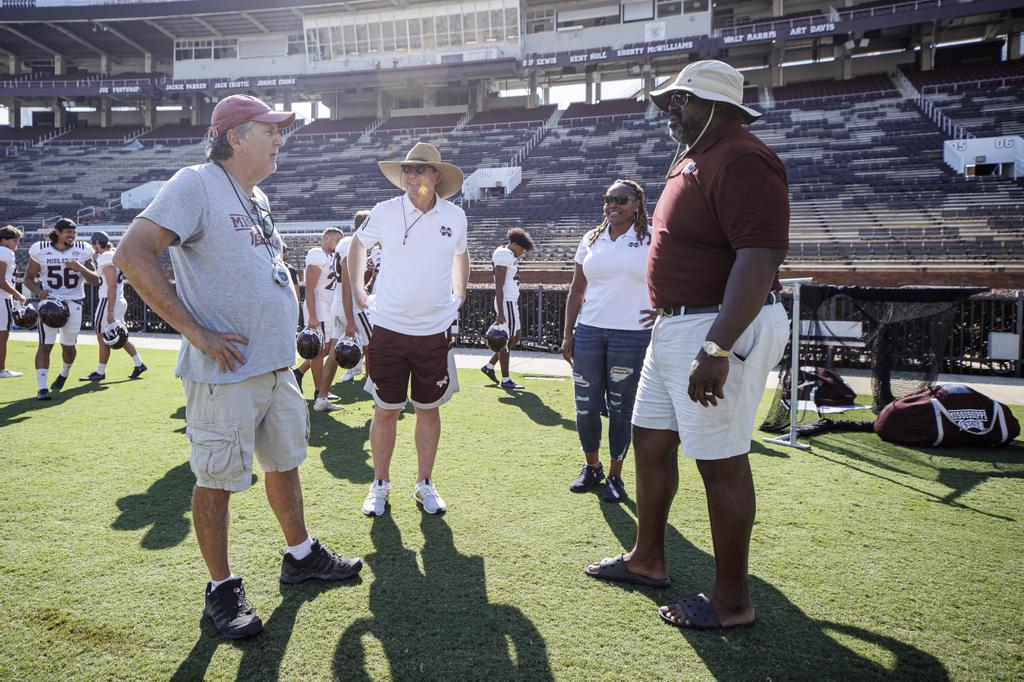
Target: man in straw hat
[(423, 276), (721, 231), (234, 304)]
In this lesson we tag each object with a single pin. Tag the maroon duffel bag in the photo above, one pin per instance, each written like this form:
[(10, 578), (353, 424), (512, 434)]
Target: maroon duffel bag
[(947, 414)]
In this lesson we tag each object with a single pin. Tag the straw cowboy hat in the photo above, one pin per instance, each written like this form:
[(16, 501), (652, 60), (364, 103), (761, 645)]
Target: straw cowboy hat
[(425, 154), (708, 79)]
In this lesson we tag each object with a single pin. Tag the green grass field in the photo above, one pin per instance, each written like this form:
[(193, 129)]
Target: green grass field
[(868, 561)]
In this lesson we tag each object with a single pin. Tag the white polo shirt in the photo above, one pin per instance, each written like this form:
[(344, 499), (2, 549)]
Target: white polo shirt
[(616, 274), (414, 289)]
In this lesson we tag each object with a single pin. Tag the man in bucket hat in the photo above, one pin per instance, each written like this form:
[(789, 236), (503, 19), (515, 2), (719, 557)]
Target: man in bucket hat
[(235, 306), (720, 234), (423, 276)]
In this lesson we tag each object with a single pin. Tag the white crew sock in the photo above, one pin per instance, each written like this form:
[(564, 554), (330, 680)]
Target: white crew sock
[(489, 365), (214, 584), (41, 378), (505, 378), (65, 370), (101, 368), (301, 550), (137, 359)]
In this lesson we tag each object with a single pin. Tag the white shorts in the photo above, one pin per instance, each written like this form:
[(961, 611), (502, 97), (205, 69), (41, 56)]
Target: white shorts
[(323, 314), (364, 327), (512, 318), (99, 318), (68, 333), (6, 314), (708, 432)]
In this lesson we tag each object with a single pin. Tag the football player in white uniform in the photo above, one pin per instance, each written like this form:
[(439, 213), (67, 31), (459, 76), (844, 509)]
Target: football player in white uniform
[(321, 281), (62, 268), (110, 307), (9, 238), (360, 327), (506, 299)]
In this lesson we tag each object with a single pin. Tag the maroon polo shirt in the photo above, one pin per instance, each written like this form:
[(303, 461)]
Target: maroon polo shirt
[(727, 193)]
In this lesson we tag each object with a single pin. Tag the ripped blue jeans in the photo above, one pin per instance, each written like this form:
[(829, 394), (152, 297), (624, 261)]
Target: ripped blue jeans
[(606, 370)]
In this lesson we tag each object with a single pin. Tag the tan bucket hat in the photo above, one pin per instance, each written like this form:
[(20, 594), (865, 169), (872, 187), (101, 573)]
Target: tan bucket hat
[(452, 176), (708, 79)]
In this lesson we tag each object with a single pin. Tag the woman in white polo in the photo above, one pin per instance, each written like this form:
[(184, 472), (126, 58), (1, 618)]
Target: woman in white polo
[(609, 309)]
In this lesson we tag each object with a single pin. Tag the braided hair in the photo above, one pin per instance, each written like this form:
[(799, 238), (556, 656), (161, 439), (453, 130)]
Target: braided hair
[(640, 218)]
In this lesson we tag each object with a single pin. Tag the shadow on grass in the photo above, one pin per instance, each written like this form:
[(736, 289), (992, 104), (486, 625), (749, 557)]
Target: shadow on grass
[(960, 479), (785, 643), (163, 507), (437, 623), (535, 408), (346, 449), (263, 654), (17, 411)]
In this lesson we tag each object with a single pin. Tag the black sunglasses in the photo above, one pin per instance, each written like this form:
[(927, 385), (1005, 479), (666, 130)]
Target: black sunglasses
[(621, 201), (418, 170), (679, 99), (265, 219)]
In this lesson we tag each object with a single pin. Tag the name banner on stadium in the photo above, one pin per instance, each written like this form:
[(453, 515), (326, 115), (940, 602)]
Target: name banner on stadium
[(607, 54), (227, 84)]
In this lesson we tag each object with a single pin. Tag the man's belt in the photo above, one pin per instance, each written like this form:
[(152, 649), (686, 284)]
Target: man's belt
[(773, 298)]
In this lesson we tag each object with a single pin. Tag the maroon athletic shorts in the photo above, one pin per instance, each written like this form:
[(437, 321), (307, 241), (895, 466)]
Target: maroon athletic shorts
[(395, 360)]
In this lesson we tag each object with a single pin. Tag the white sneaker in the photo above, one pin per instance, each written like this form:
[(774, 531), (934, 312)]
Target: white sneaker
[(9, 374), (428, 499), (321, 405), (377, 499), (349, 375)]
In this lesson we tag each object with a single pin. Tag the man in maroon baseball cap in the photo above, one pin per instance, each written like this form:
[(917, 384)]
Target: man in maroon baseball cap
[(235, 306)]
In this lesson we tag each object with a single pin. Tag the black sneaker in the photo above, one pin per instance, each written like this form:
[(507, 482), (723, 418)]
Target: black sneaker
[(43, 395), (510, 385), (322, 564), (489, 371), (614, 491), (58, 383), (298, 378), (137, 372), (95, 376), (588, 478), (231, 611)]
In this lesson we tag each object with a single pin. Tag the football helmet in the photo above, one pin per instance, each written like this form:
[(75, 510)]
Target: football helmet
[(25, 316), (116, 336), (347, 353), (54, 312), (496, 337), (309, 343)]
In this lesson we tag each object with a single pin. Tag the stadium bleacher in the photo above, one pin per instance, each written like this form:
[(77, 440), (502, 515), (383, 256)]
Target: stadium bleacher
[(868, 184)]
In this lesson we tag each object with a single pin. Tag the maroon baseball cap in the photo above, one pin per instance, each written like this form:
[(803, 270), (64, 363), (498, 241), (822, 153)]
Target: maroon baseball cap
[(238, 109)]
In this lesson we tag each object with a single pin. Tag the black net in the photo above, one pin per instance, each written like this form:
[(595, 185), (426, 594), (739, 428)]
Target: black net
[(860, 349)]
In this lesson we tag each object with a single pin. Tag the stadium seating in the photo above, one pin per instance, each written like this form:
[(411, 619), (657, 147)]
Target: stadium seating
[(174, 134), (867, 181)]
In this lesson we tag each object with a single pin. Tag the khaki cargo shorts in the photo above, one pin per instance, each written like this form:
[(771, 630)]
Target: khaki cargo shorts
[(263, 416)]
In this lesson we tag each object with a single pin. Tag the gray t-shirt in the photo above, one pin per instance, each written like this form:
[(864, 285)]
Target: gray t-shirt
[(223, 269)]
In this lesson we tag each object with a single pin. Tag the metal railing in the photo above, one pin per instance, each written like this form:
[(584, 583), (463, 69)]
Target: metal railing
[(944, 122)]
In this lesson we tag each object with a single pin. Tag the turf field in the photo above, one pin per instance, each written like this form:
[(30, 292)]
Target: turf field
[(868, 561)]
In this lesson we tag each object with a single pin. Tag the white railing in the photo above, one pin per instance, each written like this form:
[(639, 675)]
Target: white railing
[(376, 124), (849, 14), (461, 123), (871, 93), (524, 151), (73, 83), (943, 122)]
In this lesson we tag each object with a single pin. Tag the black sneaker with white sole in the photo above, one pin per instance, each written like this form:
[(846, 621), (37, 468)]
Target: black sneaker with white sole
[(588, 478), (510, 385), (489, 372), (58, 383), (231, 612), (44, 394), (137, 372), (320, 564), (614, 490), (298, 378), (95, 376)]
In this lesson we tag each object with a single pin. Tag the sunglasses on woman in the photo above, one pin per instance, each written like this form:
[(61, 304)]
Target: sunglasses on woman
[(621, 201), (418, 170)]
